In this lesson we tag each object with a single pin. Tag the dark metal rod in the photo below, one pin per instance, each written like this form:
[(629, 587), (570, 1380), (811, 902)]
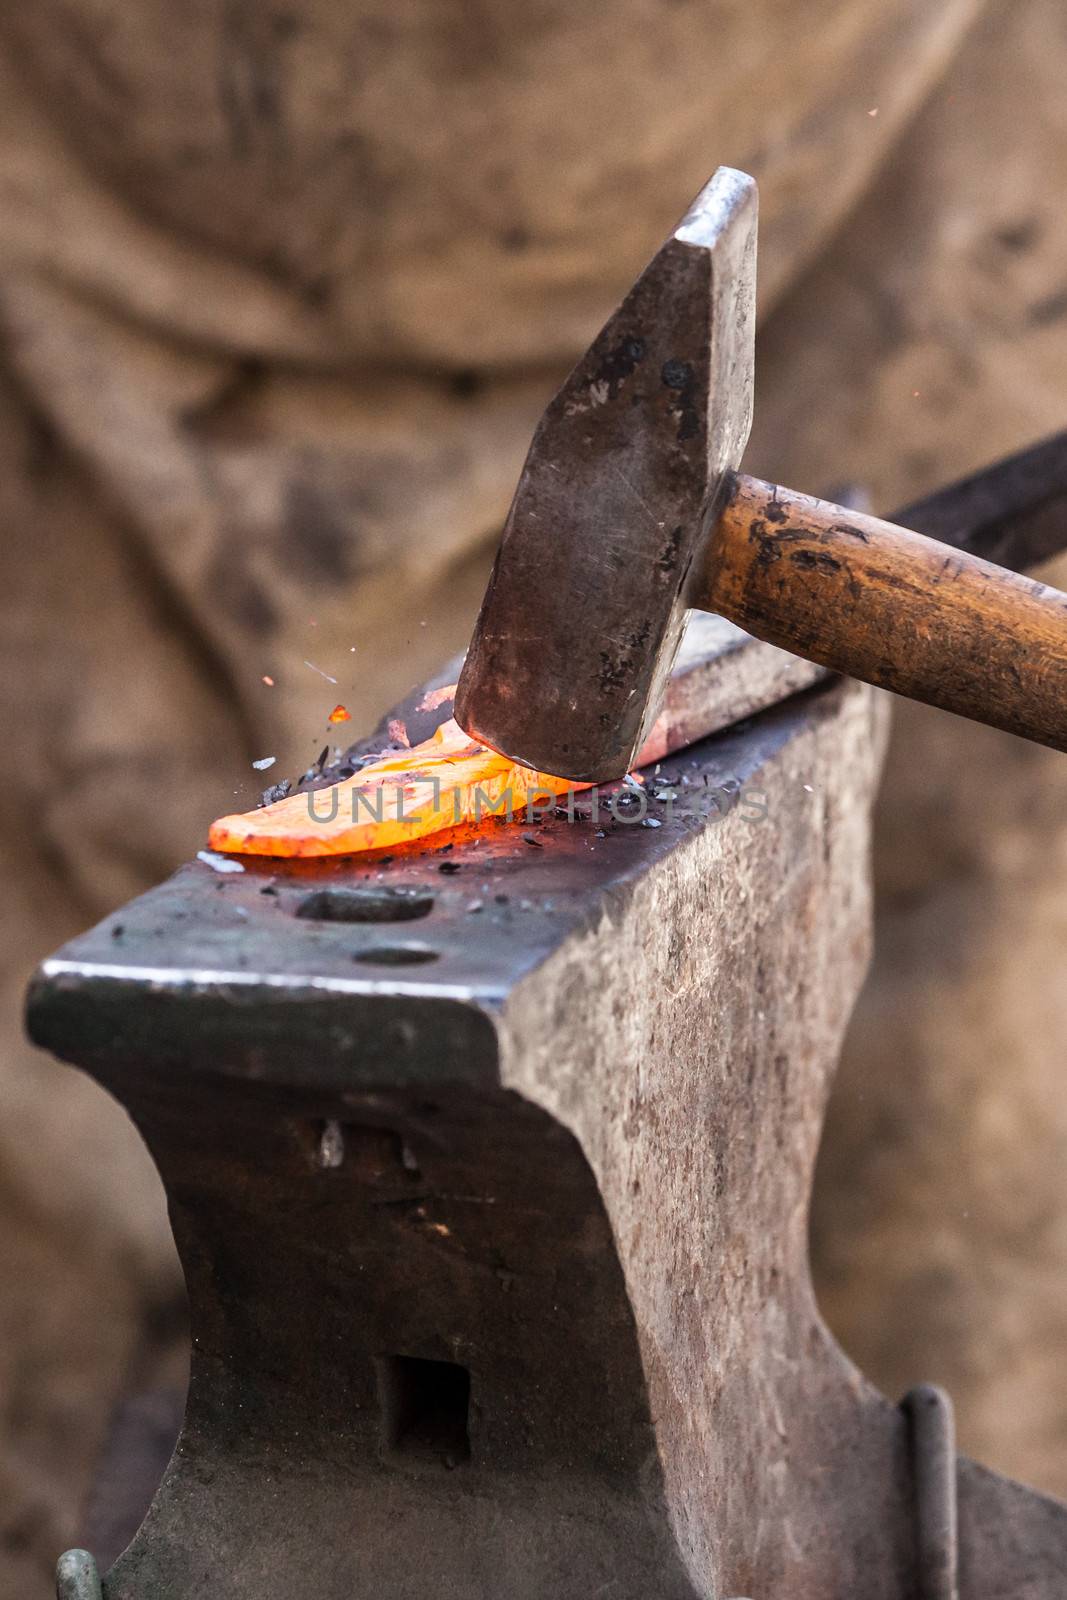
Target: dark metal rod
[(932, 1447), (1014, 512)]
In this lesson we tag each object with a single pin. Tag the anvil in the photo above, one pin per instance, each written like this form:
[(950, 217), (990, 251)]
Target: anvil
[(490, 1185)]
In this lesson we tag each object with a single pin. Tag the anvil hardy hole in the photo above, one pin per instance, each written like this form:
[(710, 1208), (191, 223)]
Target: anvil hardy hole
[(396, 955), (396, 903), (370, 1155), (425, 1409)]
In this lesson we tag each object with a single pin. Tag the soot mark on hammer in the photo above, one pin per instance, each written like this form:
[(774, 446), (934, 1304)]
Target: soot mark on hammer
[(620, 363), (680, 377), (815, 561)]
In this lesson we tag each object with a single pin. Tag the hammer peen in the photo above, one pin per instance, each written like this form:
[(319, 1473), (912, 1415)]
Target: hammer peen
[(630, 510)]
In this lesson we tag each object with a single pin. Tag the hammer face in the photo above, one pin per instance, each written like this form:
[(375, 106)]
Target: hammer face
[(584, 610)]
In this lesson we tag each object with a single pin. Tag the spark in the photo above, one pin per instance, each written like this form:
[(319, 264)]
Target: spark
[(320, 672)]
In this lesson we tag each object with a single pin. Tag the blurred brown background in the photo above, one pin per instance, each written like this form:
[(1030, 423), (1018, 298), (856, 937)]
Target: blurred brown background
[(283, 288)]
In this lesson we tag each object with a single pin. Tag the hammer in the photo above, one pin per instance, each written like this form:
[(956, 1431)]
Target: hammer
[(630, 510)]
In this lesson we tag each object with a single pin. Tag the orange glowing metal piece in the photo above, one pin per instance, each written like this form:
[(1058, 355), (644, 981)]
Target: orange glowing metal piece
[(340, 714), (404, 795)]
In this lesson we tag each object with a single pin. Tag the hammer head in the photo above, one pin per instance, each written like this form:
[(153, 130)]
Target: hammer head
[(586, 603)]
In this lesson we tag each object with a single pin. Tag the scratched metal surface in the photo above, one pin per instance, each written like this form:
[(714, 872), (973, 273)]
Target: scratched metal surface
[(626, 463)]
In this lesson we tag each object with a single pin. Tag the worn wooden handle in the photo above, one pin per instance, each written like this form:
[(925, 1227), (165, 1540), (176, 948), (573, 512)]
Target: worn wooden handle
[(894, 608)]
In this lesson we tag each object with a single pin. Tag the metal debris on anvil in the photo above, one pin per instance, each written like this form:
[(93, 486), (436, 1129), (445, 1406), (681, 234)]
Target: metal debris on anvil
[(277, 791), (219, 863)]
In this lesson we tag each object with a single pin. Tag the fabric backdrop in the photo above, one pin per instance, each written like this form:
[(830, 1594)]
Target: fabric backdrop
[(283, 288)]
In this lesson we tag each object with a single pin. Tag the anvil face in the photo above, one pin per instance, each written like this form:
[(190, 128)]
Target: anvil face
[(584, 610)]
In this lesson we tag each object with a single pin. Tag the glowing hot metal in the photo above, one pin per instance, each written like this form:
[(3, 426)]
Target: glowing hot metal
[(404, 795)]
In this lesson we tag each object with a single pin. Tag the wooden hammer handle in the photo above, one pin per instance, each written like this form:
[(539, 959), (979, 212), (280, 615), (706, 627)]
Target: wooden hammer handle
[(894, 608)]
